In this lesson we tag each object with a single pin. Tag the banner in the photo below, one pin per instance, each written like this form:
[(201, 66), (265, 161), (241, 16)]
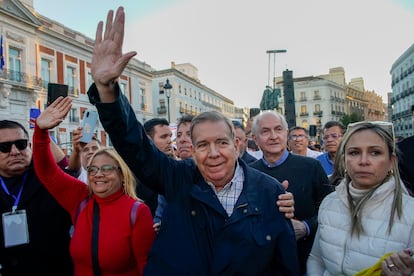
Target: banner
[(34, 113), (1, 53)]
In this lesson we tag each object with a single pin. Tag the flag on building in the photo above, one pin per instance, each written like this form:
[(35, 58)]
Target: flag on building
[(1, 53)]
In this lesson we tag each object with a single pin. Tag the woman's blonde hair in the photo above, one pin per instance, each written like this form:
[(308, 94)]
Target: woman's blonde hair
[(385, 131), (129, 183)]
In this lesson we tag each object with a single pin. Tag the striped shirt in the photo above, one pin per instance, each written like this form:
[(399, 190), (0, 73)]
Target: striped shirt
[(231, 191)]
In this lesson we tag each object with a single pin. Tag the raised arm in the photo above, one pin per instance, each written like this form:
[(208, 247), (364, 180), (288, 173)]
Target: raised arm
[(68, 191), (75, 163), (116, 114), (108, 62), (59, 155)]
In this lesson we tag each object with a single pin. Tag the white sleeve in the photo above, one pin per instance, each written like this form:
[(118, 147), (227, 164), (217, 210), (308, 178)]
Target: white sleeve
[(315, 265)]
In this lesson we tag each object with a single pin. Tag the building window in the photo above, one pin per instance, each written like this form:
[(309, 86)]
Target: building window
[(303, 96), (15, 64), (142, 98), (317, 107), (123, 87), (90, 80), (305, 124), (70, 77), (303, 109), (45, 72), (161, 88), (73, 116)]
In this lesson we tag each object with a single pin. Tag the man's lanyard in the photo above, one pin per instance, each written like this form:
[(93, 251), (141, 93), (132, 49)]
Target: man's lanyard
[(17, 198)]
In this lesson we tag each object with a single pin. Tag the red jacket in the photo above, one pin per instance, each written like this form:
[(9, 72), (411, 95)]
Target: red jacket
[(123, 248)]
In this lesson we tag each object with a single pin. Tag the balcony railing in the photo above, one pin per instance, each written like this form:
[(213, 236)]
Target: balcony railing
[(21, 77), (162, 110)]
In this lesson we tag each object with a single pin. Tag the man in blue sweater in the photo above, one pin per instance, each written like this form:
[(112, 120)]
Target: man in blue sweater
[(332, 136), (307, 180)]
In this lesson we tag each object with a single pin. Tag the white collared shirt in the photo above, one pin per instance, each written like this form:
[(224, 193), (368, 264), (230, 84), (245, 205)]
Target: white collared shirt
[(231, 191)]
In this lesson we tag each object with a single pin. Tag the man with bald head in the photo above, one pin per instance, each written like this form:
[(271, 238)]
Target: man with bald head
[(307, 180)]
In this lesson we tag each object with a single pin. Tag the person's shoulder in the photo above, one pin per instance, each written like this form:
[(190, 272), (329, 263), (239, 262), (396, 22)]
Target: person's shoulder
[(313, 153), (322, 157), (408, 200), (330, 200), (406, 142), (256, 177), (248, 158), (256, 164), (299, 159)]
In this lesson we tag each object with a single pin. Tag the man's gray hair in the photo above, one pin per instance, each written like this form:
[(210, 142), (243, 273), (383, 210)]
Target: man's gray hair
[(277, 115), (212, 116)]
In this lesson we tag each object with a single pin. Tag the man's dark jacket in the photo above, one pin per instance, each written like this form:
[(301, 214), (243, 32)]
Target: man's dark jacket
[(406, 162), (47, 252), (197, 237), (248, 158)]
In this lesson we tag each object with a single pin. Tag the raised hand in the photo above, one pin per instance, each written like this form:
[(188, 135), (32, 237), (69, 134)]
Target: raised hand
[(76, 136), (108, 62), (55, 113)]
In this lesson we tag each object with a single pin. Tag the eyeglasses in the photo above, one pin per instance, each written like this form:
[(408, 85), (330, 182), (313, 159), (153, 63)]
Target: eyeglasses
[(105, 169), (297, 137), (20, 144), (334, 136)]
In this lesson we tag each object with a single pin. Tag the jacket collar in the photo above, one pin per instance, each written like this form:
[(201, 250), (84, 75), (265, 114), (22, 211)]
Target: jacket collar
[(247, 203)]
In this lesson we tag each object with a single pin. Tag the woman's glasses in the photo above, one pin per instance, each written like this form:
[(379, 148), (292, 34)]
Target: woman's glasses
[(20, 144), (105, 169), (387, 126)]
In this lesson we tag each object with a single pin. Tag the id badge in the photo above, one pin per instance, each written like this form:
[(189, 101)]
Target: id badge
[(15, 228)]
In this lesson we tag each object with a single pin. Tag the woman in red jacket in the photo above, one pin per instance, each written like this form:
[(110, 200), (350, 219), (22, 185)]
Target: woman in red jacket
[(112, 228)]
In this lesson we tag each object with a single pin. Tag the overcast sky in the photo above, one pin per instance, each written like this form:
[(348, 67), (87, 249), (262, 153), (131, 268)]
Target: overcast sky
[(227, 39)]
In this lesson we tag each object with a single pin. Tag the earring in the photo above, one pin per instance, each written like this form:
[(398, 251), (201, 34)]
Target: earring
[(390, 172)]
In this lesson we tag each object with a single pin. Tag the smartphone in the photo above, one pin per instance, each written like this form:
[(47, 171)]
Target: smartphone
[(89, 123), (54, 90)]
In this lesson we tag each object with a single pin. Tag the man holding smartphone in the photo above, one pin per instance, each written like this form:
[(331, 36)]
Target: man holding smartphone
[(81, 154)]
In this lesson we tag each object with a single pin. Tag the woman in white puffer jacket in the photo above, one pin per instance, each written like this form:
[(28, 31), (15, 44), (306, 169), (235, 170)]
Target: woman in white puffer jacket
[(370, 213)]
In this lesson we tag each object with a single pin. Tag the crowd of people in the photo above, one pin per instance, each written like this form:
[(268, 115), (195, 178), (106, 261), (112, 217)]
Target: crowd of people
[(210, 208)]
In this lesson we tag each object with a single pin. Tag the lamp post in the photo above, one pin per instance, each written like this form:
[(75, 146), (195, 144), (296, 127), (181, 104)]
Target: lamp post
[(274, 52), (167, 89), (320, 133), (270, 98)]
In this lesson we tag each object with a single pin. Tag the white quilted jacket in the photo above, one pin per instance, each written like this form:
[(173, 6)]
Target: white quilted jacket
[(335, 252)]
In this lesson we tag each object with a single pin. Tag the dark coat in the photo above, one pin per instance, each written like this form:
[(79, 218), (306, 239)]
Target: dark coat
[(309, 185), (47, 252), (406, 162), (197, 237), (248, 158)]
